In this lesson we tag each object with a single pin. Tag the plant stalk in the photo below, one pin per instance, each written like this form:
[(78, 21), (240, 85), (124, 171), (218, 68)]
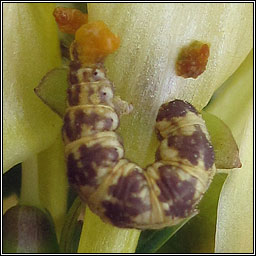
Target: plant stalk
[(30, 183)]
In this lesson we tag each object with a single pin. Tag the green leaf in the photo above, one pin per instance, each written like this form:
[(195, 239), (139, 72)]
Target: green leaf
[(224, 144), (152, 240), (72, 228), (52, 90)]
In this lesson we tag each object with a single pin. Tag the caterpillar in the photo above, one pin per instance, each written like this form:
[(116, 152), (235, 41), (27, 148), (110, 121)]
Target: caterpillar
[(116, 189)]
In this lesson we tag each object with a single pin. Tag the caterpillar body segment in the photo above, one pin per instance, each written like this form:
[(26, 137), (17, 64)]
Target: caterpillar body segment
[(115, 188), (85, 120)]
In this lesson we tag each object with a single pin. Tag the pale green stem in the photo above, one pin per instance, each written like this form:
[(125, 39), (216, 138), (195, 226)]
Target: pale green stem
[(30, 183), (99, 237), (44, 182), (53, 185)]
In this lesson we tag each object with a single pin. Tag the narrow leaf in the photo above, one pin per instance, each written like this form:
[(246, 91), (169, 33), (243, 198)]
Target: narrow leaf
[(225, 147), (152, 240), (72, 228)]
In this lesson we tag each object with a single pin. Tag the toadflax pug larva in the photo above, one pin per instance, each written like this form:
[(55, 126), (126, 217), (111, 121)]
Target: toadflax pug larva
[(116, 189)]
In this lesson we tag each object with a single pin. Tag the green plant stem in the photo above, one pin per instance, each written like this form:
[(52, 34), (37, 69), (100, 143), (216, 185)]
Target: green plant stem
[(53, 184), (44, 182), (29, 183), (99, 237)]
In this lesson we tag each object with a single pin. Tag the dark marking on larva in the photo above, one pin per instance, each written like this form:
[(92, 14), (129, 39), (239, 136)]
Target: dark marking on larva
[(74, 94), (74, 66), (91, 120), (90, 160), (101, 156), (116, 213), (127, 186), (208, 156), (72, 78), (176, 108), (76, 175), (67, 127), (193, 146), (129, 204), (179, 192), (74, 131)]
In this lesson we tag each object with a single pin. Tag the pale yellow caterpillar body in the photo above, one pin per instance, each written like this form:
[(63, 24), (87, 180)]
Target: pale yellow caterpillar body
[(116, 189)]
